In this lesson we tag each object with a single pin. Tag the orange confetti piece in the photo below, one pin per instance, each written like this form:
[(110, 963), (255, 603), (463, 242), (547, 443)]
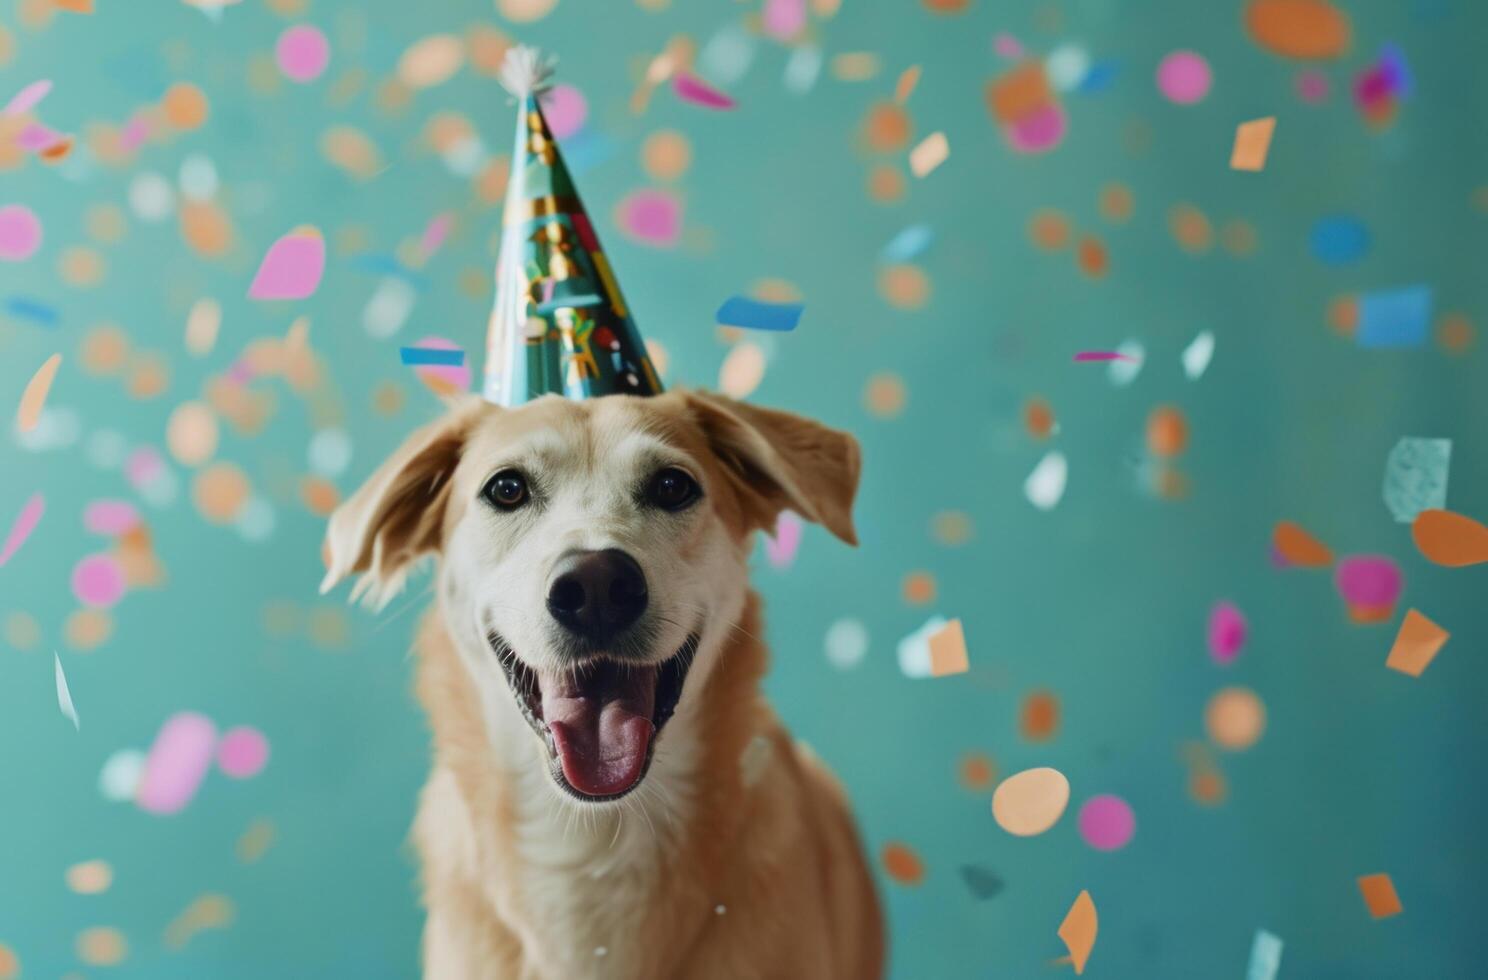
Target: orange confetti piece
[(1379, 895), (902, 864), (1019, 93), (1078, 930), (1252, 143), (948, 650), (76, 6), (1416, 645), (908, 79), (1039, 719), (34, 397), (1303, 29), (1450, 539), (1300, 548)]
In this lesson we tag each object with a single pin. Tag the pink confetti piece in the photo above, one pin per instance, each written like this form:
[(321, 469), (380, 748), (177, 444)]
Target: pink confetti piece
[(136, 131), (1103, 355), (566, 110), (143, 466), (443, 376), (302, 52), (35, 137), (784, 19), (1107, 822), (22, 527), (1369, 582), (781, 547), (654, 217), (1007, 46), (690, 88), (243, 752), (110, 517), (20, 233), (1039, 131), (241, 372), (436, 232), (177, 763), (98, 581), (27, 98), (1227, 632), (292, 267)]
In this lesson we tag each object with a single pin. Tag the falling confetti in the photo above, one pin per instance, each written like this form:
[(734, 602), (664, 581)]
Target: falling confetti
[(177, 762), (751, 314), (34, 396), (1227, 632), (1197, 355), (929, 154), (1078, 930), (22, 526), (292, 267), (913, 652), (1044, 487), (1265, 956), (1379, 895), (1030, 802), (1252, 144), (1106, 822), (902, 864), (1103, 355), (690, 88), (1370, 586), (1297, 547), (64, 696), (1416, 477), (1395, 318), (948, 650), (781, 546), (1416, 645), (1442, 536), (982, 883)]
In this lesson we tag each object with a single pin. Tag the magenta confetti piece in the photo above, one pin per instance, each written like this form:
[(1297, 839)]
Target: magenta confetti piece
[(1227, 632), (654, 217), (292, 267), (302, 52), (177, 763), (24, 524), (690, 88), (566, 110), (35, 137), (243, 752), (1369, 581), (1103, 355), (27, 98), (110, 517), (1107, 822), (780, 548)]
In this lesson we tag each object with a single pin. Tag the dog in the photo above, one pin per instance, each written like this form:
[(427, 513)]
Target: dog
[(610, 794)]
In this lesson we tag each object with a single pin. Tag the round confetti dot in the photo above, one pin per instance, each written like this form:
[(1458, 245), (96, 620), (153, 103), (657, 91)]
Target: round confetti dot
[(846, 643), (653, 217), (319, 496), (666, 155), (902, 864), (905, 287), (565, 109), (81, 266), (22, 631), (1183, 77), (1030, 802), (1239, 237), (1370, 586), (243, 752), (102, 946), (1092, 257), (525, 11), (1235, 718), (302, 53), (387, 399), (1227, 632), (885, 184), (1067, 66), (191, 433), (1039, 131), (20, 232), (446, 130), (329, 453), (1343, 315), (219, 492), (106, 223), (1038, 718), (885, 395), (328, 628), (255, 522), (110, 517), (742, 370), (1312, 86), (1117, 203), (1167, 432), (121, 774), (90, 877), (1190, 228), (887, 128), (431, 61), (1049, 230), (1207, 786), (951, 528), (151, 197), (1107, 822), (1038, 418), (87, 629), (976, 770), (918, 588), (1455, 333), (98, 581), (185, 106)]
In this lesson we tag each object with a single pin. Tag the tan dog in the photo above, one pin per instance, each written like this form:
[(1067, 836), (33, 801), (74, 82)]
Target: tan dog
[(611, 796)]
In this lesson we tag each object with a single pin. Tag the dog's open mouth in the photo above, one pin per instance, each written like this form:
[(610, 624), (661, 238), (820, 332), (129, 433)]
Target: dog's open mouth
[(600, 719)]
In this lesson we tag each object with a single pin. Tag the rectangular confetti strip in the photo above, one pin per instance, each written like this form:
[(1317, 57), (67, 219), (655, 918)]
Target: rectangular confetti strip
[(64, 696), (948, 650), (1379, 895), (752, 314), (1416, 645), (1394, 318), (1416, 477), (1265, 956), (432, 355), (30, 309), (931, 152), (1252, 143)]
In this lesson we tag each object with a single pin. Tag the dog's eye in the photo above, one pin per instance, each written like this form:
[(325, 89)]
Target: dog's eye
[(672, 489), (507, 490)]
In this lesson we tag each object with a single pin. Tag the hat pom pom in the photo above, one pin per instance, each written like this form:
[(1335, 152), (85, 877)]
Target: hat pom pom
[(526, 71)]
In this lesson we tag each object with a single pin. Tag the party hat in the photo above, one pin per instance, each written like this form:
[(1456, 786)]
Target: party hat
[(559, 324)]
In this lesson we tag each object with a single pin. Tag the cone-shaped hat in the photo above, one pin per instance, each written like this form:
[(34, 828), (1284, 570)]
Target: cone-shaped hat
[(560, 324)]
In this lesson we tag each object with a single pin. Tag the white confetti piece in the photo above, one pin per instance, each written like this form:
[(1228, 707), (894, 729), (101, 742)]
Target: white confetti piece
[(1124, 372), (388, 308), (913, 651), (846, 643), (931, 152), (1066, 67), (1045, 485), (1265, 956), (120, 775), (1416, 477), (1197, 354), (151, 197), (64, 696), (803, 69)]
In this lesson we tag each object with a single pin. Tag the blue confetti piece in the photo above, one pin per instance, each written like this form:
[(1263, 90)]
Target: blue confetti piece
[(909, 243), (587, 149), (1396, 71), (1099, 78), (751, 314), (1339, 239), (432, 355), (1395, 318), (32, 309)]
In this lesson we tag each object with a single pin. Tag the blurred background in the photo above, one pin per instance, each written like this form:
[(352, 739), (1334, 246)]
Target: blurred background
[(966, 196)]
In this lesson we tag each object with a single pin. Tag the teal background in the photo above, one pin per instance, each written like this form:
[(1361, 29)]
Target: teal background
[(1102, 600)]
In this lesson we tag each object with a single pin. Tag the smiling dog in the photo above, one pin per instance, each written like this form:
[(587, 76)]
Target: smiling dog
[(611, 796)]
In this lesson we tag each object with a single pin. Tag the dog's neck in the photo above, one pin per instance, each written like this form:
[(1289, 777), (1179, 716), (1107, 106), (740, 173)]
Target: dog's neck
[(662, 853)]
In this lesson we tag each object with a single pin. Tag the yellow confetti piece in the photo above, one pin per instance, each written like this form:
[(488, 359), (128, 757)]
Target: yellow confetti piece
[(1252, 143), (34, 397), (908, 79), (931, 152), (854, 66), (256, 841), (1078, 930)]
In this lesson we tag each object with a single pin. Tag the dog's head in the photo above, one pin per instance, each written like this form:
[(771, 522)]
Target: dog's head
[(593, 556)]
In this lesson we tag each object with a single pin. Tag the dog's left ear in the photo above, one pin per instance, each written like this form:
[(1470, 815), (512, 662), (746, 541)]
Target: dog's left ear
[(396, 517), (778, 460)]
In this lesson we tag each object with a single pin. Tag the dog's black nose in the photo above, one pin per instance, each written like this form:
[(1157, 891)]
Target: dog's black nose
[(597, 594)]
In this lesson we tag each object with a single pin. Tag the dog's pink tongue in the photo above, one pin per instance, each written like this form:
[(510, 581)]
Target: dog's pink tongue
[(601, 724)]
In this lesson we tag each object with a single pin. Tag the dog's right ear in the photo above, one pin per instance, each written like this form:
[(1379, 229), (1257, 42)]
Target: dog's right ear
[(396, 517)]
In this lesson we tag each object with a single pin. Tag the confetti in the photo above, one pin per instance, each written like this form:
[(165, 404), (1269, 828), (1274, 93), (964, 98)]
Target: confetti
[(1416, 645), (75, 6), (431, 355), (292, 267), (1394, 319), (690, 88), (302, 53), (1102, 355), (90, 877), (242, 752), (905, 86), (742, 370), (902, 864), (948, 650), (1252, 144), (1235, 718), (202, 324), (1299, 548), (1030, 802), (784, 19), (1044, 487), (913, 651), (982, 883), (1444, 537), (35, 393), (781, 546), (1078, 930), (928, 154), (28, 98), (177, 763), (1379, 895), (653, 217), (64, 696), (846, 643), (22, 526), (752, 314), (910, 243), (1303, 29), (1038, 718), (1106, 822), (1370, 586), (1338, 240), (1123, 371), (1183, 77), (1265, 956), (20, 233), (1197, 355), (1227, 632), (120, 775), (1416, 477), (98, 581)]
